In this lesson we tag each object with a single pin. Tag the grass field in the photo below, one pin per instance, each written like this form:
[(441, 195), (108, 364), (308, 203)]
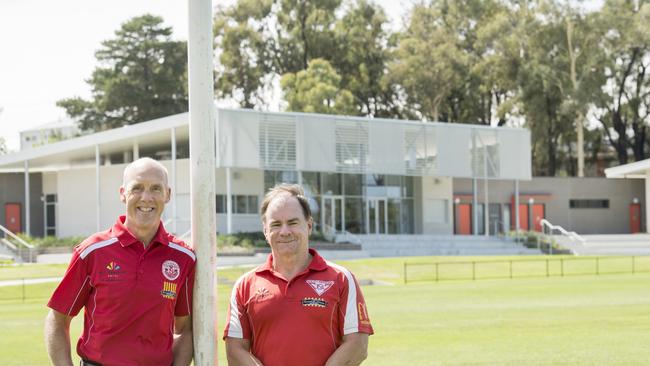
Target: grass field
[(576, 320)]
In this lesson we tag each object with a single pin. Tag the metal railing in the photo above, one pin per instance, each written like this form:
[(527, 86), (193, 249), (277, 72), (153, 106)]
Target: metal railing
[(22, 243), (570, 234), (524, 268)]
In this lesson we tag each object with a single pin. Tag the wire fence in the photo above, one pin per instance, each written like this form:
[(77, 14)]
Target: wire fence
[(24, 289), (522, 268)]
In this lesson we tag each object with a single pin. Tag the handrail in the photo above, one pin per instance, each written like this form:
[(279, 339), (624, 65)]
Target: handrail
[(570, 234), (20, 241), (17, 238)]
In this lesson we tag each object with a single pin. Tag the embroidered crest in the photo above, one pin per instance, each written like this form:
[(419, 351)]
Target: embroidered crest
[(113, 266), (171, 270), (169, 290), (320, 286)]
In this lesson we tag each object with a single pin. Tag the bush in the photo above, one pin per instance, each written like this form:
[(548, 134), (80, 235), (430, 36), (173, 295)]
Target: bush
[(51, 241)]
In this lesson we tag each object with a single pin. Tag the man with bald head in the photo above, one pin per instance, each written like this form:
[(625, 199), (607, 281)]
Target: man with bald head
[(297, 308), (134, 282)]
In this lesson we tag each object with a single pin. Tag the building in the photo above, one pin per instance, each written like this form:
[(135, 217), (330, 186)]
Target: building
[(61, 129), (363, 176)]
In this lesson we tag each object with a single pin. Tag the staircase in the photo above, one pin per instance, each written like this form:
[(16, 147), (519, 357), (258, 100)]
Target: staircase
[(16, 248), (419, 245)]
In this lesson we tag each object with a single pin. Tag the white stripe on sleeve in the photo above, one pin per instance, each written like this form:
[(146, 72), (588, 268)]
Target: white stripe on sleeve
[(351, 324)]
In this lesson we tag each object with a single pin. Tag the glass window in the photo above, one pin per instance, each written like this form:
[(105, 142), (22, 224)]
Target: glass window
[(352, 184), (252, 205), (588, 203), (50, 215), (311, 184), (240, 204), (407, 186), (394, 216), (354, 218), (221, 203), (331, 183), (408, 217)]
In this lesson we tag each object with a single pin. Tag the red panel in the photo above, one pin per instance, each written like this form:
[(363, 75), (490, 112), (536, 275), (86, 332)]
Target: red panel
[(635, 218), (538, 215), (464, 219), (523, 216), (12, 217)]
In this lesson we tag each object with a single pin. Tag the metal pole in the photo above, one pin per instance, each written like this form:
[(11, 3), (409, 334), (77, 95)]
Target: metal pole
[(202, 174), (173, 184), (98, 192), (28, 230), (486, 210), (474, 207), (228, 200), (517, 208)]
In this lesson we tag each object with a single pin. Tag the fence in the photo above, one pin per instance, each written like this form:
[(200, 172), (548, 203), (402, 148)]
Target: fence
[(27, 289), (520, 268)]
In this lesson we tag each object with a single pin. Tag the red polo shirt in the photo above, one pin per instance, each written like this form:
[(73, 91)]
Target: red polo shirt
[(130, 294), (297, 322)]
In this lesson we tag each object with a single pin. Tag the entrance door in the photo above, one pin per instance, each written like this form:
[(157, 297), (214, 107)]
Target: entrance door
[(12, 217), (635, 218), (523, 216), (464, 219), (333, 219), (538, 215), (376, 216)]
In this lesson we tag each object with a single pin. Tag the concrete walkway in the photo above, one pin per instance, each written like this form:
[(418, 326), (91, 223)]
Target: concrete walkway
[(222, 263)]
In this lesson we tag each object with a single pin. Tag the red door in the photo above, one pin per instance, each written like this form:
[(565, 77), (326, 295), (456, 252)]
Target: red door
[(523, 216), (464, 219), (538, 215), (635, 218), (12, 217)]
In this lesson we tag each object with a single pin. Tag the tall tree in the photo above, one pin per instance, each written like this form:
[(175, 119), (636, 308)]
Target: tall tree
[(142, 76), (263, 40), (317, 90), (625, 107)]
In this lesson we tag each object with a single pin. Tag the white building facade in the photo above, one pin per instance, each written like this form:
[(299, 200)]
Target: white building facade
[(363, 176)]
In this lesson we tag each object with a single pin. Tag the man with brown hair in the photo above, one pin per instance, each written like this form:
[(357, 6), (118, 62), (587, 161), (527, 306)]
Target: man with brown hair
[(297, 308)]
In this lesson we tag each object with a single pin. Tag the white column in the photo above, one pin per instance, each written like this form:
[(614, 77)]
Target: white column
[(228, 200), (202, 178), (474, 207), (647, 201), (28, 211), (173, 183), (136, 150), (517, 207), (486, 208), (98, 189)]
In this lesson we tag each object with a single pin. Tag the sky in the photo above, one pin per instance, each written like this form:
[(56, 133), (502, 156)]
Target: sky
[(47, 50)]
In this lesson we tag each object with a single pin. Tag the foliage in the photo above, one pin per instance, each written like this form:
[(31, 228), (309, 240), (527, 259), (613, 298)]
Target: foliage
[(142, 76), (316, 90), (51, 241)]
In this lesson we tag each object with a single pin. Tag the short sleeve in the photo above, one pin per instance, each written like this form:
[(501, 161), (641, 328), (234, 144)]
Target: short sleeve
[(353, 313), (185, 292), (237, 324), (75, 287)]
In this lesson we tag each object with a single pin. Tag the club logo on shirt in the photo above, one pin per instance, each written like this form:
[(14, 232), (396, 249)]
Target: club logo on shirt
[(320, 286), (169, 290), (314, 302), (113, 266), (261, 293), (171, 270)]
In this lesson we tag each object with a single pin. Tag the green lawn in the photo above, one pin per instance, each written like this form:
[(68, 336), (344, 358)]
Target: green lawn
[(574, 320)]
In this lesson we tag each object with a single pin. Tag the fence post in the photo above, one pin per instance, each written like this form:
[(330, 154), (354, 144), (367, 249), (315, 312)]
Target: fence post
[(511, 269), (473, 271), (436, 272), (547, 272)]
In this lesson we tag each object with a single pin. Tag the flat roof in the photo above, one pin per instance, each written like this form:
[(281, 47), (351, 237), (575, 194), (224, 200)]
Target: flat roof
[(638, 169)]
